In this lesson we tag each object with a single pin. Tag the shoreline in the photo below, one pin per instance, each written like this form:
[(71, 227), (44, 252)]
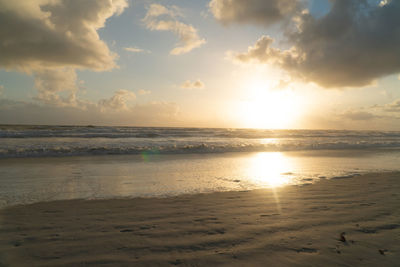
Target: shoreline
[(188, 195), (288, 226), (45, 179)]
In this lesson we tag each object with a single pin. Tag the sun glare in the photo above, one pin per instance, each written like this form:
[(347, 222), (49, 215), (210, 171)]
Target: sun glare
[(268, 107), (270, 168)]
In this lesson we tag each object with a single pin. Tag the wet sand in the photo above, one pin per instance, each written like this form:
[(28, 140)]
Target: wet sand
[(340, 222)]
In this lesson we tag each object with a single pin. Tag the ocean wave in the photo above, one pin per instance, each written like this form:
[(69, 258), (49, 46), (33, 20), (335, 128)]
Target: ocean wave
[(23, 131), (47, 141), (56, 149)]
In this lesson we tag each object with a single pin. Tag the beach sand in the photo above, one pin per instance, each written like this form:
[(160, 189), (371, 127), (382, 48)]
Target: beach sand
[(289, 226)]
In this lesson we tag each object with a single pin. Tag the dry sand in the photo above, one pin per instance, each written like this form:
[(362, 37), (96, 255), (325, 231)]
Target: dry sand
[(249, 228)]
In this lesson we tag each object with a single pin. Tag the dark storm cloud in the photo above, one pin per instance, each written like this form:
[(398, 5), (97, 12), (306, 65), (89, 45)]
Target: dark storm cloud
[(355, 43)]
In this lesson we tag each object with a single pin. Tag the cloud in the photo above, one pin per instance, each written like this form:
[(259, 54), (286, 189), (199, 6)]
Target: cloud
[(260, 52), (50, 39), (383, 2), (358, 115), (45, 33), (392, 107), (51, 83), (383, 112), (136, 50), (144, 92), (282, 84), (118, 101), (160, 18), (252, 11), (150, 114), (355, 43), (193, 85)]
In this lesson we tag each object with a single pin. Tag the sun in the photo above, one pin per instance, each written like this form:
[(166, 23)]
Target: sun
[(269, 108)]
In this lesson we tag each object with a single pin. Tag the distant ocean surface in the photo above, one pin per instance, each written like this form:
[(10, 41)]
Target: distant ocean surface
[(59, 141), (44, 163)]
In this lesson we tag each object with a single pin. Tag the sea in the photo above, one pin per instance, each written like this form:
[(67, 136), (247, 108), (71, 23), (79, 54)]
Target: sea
[(45, 163)]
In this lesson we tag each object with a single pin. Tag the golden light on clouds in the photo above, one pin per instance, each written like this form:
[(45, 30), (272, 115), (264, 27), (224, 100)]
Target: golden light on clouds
[(272, 75)]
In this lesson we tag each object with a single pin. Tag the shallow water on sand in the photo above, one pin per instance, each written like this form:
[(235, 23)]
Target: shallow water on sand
[(28, 180)]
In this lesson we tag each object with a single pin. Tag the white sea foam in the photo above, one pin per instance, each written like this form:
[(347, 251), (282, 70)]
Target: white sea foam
[(48, 141)]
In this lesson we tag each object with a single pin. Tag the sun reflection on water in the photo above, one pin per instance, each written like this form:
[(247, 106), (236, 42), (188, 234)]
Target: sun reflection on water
[(270, 169)]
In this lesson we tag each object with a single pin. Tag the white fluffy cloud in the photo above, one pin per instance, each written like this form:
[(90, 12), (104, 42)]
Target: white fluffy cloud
[(261, 52), (51, 83), (118, 101), (161, 18), (144, 92), (193, 85), (252, 11), (136, 50), (355, 43)]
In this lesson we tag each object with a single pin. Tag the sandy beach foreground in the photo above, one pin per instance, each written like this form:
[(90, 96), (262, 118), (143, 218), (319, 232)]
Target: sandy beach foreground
[(339, 222)]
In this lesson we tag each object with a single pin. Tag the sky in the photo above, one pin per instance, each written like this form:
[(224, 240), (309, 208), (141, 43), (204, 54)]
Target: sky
[(299, 64)]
